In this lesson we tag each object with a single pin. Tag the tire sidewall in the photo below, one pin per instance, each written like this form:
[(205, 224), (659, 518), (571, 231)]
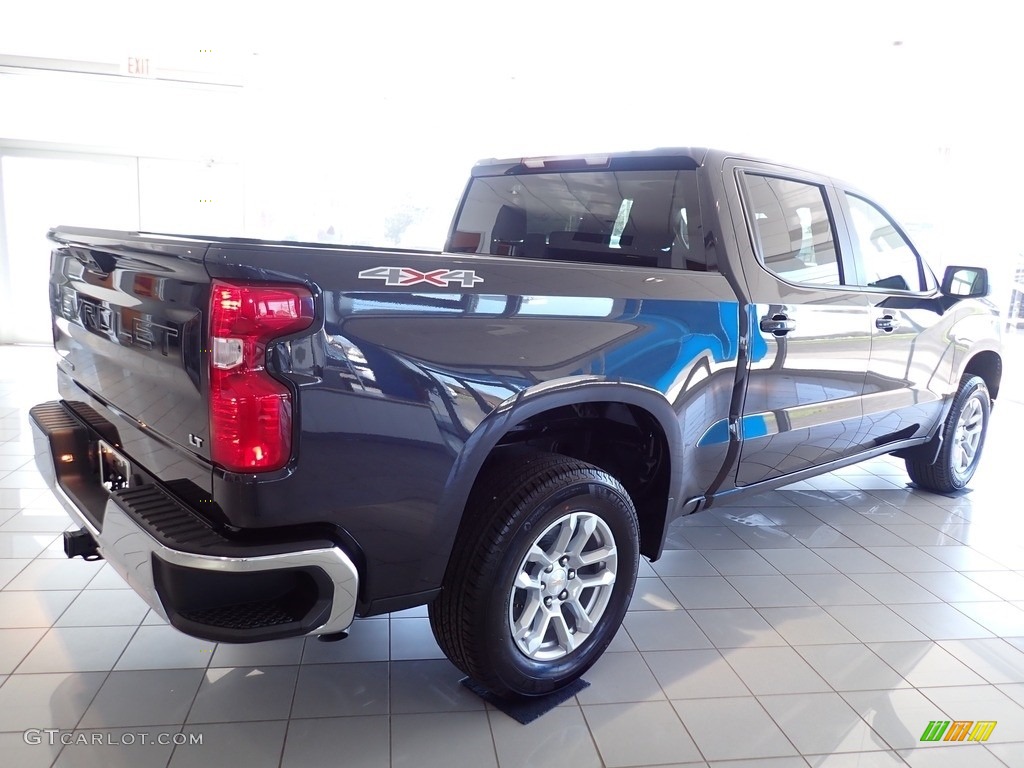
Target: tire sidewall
[(974, 386), (517, 671)]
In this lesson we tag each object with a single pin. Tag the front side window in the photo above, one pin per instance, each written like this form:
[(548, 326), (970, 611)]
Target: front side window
[(792, 229), (887, 259), (645, 218)]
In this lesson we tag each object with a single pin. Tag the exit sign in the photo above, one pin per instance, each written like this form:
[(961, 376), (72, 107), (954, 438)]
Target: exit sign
[(137, 66)]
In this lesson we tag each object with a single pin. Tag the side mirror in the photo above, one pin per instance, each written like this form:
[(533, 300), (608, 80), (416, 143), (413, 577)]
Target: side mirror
[(961, 282)]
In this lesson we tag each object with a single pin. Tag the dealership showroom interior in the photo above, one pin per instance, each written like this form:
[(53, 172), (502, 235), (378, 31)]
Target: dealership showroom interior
[(576, 384)]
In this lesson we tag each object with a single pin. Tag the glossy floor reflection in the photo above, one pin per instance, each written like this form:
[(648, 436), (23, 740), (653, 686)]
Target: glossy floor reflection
[(825, 624)]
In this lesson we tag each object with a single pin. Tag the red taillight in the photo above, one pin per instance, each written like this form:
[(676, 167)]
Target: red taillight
[(250, 411)]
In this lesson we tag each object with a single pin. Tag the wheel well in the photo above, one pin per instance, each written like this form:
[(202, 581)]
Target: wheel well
[(989, 366), (624, 440)]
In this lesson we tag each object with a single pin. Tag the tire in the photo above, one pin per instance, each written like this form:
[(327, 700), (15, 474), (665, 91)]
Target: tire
[(541, 577), (963, 439)]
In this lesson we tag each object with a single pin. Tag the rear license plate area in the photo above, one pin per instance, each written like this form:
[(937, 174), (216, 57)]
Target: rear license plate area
[(115, 469)]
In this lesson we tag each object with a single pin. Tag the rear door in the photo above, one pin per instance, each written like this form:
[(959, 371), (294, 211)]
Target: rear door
[(810, 335)]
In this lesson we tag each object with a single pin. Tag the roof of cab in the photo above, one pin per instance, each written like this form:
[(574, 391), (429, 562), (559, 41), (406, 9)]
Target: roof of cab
[(666, 157)]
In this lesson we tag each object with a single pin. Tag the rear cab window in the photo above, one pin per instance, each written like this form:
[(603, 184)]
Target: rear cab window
[(625, 214)]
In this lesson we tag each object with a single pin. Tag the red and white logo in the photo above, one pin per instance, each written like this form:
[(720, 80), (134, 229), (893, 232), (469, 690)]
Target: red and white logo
[(442, 278)]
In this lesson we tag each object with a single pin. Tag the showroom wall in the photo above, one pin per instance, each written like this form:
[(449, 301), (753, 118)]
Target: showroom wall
[(105, 150)]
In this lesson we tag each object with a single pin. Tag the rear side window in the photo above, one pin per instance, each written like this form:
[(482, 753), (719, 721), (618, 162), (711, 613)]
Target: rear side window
[(643, 218), (886, 257), (793, 229)]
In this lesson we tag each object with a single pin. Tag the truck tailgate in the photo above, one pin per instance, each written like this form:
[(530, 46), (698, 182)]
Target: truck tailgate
[(127, 324)]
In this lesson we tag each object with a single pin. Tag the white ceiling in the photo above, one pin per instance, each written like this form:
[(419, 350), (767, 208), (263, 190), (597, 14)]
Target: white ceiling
[(917, 99), (620, 72)]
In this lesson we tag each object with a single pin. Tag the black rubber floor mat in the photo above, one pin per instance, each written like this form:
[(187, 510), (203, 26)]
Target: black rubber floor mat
[(526, 709)]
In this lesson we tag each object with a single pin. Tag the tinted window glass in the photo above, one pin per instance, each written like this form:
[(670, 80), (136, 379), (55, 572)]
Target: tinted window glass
[(646, 218), (792, 228), (887, 259)]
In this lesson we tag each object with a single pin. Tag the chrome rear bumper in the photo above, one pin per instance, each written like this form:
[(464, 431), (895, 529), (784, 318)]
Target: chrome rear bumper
[(200, 582)]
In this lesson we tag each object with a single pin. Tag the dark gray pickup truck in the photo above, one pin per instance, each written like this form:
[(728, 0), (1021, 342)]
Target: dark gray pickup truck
[(269, 439)]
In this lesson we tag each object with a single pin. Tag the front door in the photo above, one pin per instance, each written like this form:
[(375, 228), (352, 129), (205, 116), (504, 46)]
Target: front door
[(911, 354)]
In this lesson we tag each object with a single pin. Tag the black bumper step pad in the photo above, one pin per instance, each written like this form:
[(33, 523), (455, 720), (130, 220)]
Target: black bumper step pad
[(53, 417), (168, 521), (176, 527)]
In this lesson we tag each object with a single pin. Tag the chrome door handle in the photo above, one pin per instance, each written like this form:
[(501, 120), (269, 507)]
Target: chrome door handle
[(887, 323), (777, 325)]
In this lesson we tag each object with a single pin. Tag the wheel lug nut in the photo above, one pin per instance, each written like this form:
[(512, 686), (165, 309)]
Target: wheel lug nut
[(564, 594), (548, 569), (547, 601), (572, 574), (563, 560)]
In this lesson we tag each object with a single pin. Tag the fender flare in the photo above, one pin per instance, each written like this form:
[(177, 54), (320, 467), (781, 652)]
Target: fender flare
[(544, 397)]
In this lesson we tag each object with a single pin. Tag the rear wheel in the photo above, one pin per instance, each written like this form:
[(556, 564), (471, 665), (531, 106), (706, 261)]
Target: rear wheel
[(541, 577), (963, 439)]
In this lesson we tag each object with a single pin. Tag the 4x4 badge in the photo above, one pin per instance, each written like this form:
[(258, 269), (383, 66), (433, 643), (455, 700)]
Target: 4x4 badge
[(442, 278)]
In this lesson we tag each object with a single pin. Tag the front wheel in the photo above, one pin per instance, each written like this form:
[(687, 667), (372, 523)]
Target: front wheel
[(963, 438), (541, 577)]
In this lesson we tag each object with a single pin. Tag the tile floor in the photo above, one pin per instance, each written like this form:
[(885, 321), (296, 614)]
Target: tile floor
[(824, 624)]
